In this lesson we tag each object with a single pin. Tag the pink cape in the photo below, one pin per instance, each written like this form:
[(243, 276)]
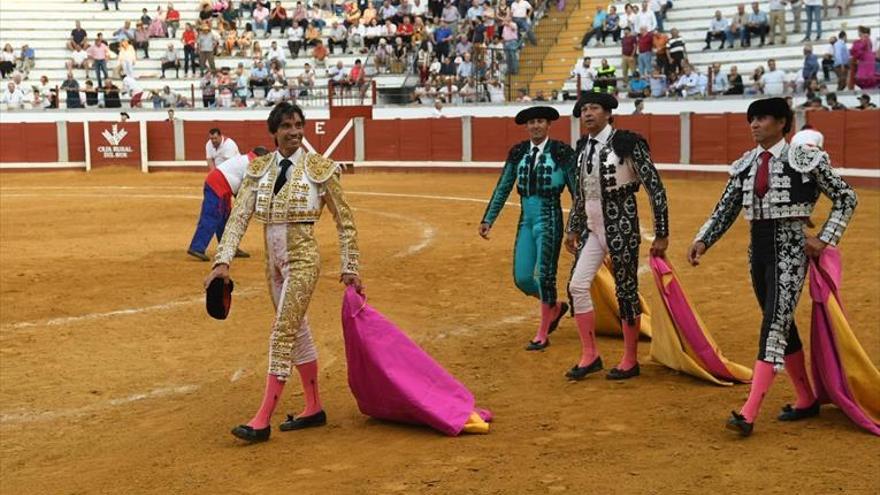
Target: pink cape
[(842, 372), (680, 339), (393, 379)]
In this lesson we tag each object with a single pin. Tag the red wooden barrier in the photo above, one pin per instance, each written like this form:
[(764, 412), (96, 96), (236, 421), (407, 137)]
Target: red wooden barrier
[(160, 141), (862, 148), (29, 143), (413, 140), (76, 142)]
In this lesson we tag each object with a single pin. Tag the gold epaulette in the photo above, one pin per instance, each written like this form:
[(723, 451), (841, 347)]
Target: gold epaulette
[(319, 169), (259, 165)]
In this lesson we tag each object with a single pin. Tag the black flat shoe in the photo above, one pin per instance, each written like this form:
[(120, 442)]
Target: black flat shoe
[(196, 254), (317, 419), (790, 413), (619, 374), (577, 373), (537, 346), (738, 423), (241, 254), (562, 310), (249, 434)]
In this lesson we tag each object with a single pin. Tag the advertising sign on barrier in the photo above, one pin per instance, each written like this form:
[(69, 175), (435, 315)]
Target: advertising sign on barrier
[(114, 143)]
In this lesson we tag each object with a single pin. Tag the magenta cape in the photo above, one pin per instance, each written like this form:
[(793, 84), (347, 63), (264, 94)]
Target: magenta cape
[(680, 340), (842, 372), (393, 379)]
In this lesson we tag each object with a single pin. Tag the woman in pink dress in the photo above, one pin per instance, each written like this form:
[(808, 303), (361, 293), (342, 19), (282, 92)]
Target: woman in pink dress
[(863, 53), (157, 26)]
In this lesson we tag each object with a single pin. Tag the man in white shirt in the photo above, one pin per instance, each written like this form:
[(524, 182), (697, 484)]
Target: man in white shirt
[(221, 185), (687, 83), (12, 97), (79, 59), (219, 148), (521, 11), (720, 84), (656, 8), (277, 94), (719, 29), (646, 18), (774, 80), (587, 75), (496, 91), (277, 54), (134, 90), (419, 8)]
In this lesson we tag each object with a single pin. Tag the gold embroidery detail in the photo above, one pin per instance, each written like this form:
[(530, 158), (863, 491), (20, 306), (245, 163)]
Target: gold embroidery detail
[(319, 169)]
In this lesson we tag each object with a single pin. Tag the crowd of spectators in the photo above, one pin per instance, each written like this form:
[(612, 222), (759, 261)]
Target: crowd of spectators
[(655, 63), (238, 53)]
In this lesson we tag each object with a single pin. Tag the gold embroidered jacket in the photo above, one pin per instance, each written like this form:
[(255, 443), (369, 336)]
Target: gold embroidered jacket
[(314, 182)]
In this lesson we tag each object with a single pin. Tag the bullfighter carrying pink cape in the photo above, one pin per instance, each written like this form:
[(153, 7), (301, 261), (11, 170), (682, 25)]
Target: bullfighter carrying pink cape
[(393, 379)]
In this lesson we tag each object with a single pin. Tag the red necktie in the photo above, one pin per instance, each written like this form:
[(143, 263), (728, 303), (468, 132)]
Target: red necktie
[(762, 180)]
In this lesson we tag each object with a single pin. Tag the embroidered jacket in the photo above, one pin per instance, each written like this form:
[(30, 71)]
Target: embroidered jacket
[(796, 178), (625, 166), (314, 182), (552, 173)]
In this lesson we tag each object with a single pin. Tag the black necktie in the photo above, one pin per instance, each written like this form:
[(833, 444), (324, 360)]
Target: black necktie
[(593, 143), (282, 175), (534, 157)]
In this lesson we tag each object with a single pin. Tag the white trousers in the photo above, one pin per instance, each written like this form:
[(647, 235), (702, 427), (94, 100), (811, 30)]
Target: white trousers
[(590, 259)]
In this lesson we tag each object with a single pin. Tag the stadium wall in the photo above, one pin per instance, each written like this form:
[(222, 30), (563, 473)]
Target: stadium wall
[(693, 144)]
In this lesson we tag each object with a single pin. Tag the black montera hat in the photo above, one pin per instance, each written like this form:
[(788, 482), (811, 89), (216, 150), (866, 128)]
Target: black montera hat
[(218, 298), (530, 113), (607, 101), (771, 107)]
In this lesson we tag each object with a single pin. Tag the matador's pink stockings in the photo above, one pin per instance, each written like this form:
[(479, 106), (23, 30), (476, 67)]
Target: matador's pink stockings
[(586, 324), (796, 368), (762, 378), (274, 387)]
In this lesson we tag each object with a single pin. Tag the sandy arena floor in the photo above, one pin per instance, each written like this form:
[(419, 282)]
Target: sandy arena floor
[(114, 380)]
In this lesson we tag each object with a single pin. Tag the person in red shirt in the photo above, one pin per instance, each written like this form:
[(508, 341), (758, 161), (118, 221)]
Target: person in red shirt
[(646, 51), (405, 29), (320, 54), (628, 51), (278, 18), (358, 79), (189, 50), (172, 21)]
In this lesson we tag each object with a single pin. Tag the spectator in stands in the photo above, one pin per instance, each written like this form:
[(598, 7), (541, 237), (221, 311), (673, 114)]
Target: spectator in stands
[(276, 73), (190, 40), (259, 78), (628, 44), (79, 59), (658, 83), (312, 34), (45, 95), (115, 2), (338, 37), (300, 15), (638, 86), (13, 97), (597, 26), (639, 107), (757, 24), (465, 69), (510, 36), (207, 43), (833, 104), (475, 11), (7, 61), (810, 70), (646, 51), (777, 20), (356, 35), (306, 80), (612, 25), (208, 85), (98, 54), (646, 18), (171, 99), (157, 26), (606, 80), (521, 11), (71, 86), (584, 75), (278, 19), (26, 60), (357, 78), (676, 51), (773, 80), (443, 37), (661, 53), (814, 13), (277, 94), (841, 60), (142, 39), (172, 21), (319, 53), (91, 93), (720, 82), (261, 18), (276, 54), (757, 84), (865, 102), (126, 60), (719, 29), (451, 15), (734, 82), (863, 53), (111, 95), (686, 85), (739, 25), (78, 38), (125, 33), (797, 7), (145, 19), (388, 12), (295, 39), (813, 104), (135, 92), (171, 60)]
